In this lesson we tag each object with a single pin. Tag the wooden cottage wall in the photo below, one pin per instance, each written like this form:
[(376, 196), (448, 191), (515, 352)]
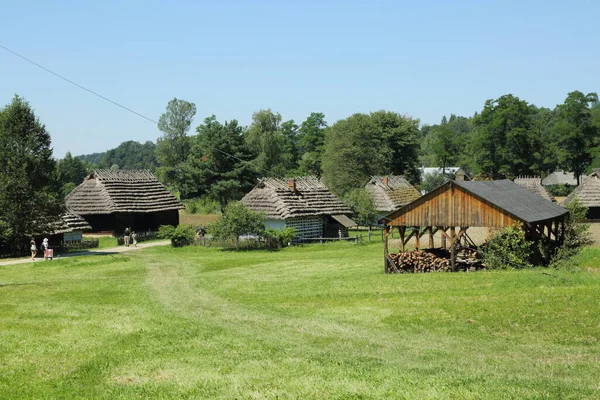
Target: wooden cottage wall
[(306, 227), (453, 207)]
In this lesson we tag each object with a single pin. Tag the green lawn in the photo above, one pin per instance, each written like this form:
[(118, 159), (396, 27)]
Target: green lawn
[(311, 322)]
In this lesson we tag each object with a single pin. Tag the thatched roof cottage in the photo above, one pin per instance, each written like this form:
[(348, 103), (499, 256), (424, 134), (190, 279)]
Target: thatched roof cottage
[(560, 178), (534, 184), (588, 194), (115, 200), (389, 193), (305, 204)]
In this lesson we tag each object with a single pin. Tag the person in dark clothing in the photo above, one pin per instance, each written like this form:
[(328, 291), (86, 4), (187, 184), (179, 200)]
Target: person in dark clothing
[(126, 237)]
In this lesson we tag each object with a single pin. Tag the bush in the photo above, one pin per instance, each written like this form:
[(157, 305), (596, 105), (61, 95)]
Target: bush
[(182, 236), (165, 231), (507, 249), (179, 236), (282, 236), (238, 220), (577, 235), (560, 190)]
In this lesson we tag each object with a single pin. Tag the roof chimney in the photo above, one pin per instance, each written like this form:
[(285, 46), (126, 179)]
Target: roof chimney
[(292, 185), (385, 180)]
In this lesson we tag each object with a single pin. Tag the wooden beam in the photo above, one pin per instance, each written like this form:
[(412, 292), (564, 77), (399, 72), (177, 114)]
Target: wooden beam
[(452, 252), (402, 230), (443, 231), (385, 248), (418, 229)]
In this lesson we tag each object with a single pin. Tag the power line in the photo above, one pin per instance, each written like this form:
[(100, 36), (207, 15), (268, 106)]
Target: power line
[(120, 105)]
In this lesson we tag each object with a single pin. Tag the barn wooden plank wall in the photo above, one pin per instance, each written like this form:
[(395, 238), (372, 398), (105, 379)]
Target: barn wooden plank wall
[(453, 207)]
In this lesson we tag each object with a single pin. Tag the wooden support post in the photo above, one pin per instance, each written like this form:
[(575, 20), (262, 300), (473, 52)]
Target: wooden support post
[(385, 248), (418, 230), (431, 243), (452, 252), (402, 230)]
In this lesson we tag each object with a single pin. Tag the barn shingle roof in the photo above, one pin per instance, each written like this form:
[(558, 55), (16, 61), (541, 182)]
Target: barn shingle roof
[(514, 199), (391, 195), (106, 192), (534, 185), (277, 200)]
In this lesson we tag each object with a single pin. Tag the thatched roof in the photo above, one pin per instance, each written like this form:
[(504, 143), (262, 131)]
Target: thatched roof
[(70, 222), (560, 178), (391, 192), (298, 197), (534, 184), (106, 192), (588, 192)]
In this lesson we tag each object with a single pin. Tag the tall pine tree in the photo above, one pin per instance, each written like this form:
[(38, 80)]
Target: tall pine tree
[(31, 198)]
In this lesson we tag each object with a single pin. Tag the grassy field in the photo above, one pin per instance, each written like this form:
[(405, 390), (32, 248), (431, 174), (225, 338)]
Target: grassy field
[(313, 322)]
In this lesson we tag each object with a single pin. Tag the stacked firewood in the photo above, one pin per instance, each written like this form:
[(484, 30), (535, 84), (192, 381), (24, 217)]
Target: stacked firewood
[(418, 261), (435, 260)]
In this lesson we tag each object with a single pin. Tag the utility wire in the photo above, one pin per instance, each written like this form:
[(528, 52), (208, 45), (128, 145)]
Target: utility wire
[(122, 106)]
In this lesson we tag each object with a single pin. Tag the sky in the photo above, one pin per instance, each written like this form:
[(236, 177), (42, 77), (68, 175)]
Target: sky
[(424, 59)]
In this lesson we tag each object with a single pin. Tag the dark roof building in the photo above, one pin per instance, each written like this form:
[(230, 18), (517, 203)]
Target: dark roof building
[(114, 200), (478, 204), (389, 193), (534, 185), (304, 204)]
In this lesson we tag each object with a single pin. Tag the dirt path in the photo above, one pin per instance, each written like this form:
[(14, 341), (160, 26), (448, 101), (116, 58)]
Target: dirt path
[(91, 252)]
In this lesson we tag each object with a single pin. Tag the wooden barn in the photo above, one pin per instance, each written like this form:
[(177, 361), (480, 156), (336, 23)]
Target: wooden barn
[(457, 205), (305, 204), (588, 194), (534, 185), (114, 200), (390, 193)]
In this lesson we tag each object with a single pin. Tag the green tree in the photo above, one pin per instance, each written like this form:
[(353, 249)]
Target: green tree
[(311, 138), (238, 220), (173, 147), (433, 180), (362, 205), (31, 198), (132, 155), (501, 144), (219, 162), (576, 131), (289, 131), (268, 144), (380, 143), (71, 172)]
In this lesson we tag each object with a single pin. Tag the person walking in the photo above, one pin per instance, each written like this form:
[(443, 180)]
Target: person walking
[(33, 248), (45, 248), (126, 237), (134, 238)]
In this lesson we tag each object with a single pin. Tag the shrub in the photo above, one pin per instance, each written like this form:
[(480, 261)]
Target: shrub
[(560, 190), (179, 236), (507, 249), (238, 220), (182, 236), (165, 231), (282, 236), (577, 235)]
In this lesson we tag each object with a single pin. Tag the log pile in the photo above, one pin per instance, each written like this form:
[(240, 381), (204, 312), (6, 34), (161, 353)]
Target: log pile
[(419, 261), (435, 260)]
